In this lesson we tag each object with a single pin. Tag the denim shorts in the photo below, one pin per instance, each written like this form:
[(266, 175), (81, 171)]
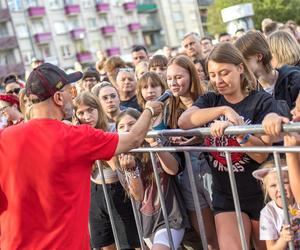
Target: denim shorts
[(203, 179)]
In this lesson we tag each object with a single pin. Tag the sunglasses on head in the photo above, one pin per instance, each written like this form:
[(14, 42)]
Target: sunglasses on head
[(14, 91)]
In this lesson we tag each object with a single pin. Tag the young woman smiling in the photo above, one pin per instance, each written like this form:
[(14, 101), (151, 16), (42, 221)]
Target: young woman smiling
[(234, 102)]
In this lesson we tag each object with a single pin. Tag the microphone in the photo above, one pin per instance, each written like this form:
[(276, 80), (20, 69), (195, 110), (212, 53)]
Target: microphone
[(164, 96)]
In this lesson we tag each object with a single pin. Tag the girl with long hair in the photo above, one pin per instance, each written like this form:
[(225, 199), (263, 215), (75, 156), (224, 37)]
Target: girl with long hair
[(184, 83), (89, 111)]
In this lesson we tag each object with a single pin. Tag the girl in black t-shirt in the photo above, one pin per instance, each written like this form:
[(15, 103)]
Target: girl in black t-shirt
[(235, 102)]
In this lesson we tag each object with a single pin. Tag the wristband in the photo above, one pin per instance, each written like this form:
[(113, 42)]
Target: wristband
[(151, 110), (133, 174), (245, 139)]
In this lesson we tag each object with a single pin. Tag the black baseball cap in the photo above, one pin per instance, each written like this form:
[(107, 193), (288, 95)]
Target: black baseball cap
[(47, 79)]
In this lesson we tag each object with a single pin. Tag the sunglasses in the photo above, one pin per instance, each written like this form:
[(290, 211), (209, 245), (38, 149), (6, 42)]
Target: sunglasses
[(14, 91)]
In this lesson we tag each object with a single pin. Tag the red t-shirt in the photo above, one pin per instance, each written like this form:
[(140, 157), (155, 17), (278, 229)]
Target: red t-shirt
[(45, 183)]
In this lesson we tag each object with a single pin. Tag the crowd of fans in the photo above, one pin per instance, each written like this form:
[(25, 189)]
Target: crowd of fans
[(250, 78)]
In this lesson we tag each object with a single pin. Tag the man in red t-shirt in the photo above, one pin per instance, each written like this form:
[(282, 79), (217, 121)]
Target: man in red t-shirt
[(45, 166)]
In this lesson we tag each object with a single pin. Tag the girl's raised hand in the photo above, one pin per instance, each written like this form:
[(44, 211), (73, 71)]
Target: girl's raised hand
[(127, 162)]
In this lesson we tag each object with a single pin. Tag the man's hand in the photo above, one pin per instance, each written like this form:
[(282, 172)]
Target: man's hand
[(155, 107)]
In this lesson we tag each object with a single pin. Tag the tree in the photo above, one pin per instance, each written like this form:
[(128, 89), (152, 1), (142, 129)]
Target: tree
[(277, 10)]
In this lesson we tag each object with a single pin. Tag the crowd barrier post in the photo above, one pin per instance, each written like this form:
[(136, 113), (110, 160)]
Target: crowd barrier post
[(107, 200), (236, 201), (196, 200), (283, 195), (161, 199)]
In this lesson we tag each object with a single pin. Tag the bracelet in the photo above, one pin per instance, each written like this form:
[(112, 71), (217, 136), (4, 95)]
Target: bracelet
[(151, 110), (156, 143), (133, 174), (245, 139)]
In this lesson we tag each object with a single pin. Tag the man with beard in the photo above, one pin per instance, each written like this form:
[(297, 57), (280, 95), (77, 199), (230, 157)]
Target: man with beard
[(46, 165), (192, 46)]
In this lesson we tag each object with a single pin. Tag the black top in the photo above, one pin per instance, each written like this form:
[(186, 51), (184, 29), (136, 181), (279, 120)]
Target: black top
[(253, 108), (287, 86), (131, 103)]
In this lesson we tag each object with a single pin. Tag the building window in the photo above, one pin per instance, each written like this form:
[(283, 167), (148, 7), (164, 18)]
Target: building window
[(79, 46), (3, 30), (73, 23), (38, 27), (45, 51), (7, 57), (92, 23), (108, 42), (22, 31), (103, 22), (87, 3), (69, 2), (31, 3), (125, 42), (96, 45), (15, 5), (177, 16), (193, 15), (65, 51), (55, 4), (27, 56), (60, 27), (180, 33)]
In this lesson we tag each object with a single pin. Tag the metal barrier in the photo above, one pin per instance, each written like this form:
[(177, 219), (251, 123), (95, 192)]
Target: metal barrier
[(234, 130)]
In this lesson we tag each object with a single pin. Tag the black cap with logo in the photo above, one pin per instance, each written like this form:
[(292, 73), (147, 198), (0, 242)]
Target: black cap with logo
[(47, 79)]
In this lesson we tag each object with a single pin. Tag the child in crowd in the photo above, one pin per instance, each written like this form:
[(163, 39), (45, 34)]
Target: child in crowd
[(273, 230), (158, 64), (149, 87), (272, 125), (137, 176)]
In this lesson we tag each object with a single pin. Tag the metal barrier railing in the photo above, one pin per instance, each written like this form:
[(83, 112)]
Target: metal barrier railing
[(234, 130)]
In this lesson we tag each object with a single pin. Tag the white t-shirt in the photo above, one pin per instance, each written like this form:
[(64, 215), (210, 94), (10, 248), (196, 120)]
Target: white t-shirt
[(270, 221)]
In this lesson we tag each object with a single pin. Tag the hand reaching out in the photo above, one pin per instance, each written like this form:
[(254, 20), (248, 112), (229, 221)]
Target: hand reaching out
[(127, 162)]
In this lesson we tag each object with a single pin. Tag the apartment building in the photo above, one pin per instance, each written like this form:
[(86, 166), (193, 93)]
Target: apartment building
[(10, 56), (69, 31)]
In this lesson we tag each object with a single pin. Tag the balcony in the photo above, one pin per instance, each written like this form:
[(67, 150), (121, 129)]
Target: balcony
[(145, 8), (72, 9), (114, 51), (134, 27), (77, 34), (108, 30), (152, 24), (17, 68), (36, 12), (8, 42), (84, 57), (129, 6), (102, 8), (43, 38), (4, 15)]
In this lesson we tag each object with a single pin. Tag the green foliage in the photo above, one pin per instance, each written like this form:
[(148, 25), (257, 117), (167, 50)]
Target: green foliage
[(277, 10)]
